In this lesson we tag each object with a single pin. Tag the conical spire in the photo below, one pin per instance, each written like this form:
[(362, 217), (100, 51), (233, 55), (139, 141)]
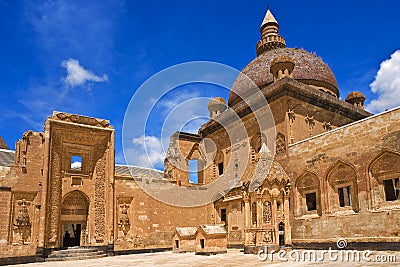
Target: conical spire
[(269, 18), (270, 38), (264, 151)]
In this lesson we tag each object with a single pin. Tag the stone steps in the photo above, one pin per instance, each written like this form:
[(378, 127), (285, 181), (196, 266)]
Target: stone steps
[(76, 253)]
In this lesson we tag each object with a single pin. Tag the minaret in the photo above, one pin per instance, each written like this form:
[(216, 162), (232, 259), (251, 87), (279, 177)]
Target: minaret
[(270, 38)]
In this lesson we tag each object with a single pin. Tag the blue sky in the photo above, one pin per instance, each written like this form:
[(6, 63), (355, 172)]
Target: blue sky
[(89, 57)]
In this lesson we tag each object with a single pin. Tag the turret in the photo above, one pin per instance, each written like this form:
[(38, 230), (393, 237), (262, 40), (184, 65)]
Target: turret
[(357, 99), (216, 106)]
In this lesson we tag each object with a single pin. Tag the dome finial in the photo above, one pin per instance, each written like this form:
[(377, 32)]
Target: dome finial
[(269, 18), (270, 38)]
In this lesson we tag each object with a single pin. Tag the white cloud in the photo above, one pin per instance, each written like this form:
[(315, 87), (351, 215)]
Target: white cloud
[(147, 152), (77, 75), (386, 85), (76, 165)]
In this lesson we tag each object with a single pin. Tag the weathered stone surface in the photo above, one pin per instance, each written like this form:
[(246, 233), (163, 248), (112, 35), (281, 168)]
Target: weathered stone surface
[(325, 169)]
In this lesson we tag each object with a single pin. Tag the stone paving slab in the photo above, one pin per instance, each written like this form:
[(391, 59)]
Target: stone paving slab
[(232, 258)]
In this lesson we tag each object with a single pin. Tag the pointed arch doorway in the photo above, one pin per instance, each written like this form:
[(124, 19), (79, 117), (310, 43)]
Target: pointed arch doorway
[(74, 213)]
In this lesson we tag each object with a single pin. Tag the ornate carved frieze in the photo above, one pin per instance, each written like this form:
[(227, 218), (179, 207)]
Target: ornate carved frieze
[(388, 162), (62, 116), (235, 236), (23, 223), (268, 236), (53, 209), (267, 212), (124, 223), (280, 144), (99, 200), (310, 121)]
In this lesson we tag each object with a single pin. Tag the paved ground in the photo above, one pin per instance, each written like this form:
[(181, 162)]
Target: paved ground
[(232, 258)]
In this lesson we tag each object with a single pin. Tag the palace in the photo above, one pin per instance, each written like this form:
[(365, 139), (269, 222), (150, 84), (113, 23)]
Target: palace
[(334, 173)]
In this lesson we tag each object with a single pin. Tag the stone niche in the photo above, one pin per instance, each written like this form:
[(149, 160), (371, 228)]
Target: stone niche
[(24, 215)]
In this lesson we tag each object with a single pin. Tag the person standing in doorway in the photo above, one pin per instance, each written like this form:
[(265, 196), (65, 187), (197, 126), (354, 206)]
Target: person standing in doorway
[(66, 239)]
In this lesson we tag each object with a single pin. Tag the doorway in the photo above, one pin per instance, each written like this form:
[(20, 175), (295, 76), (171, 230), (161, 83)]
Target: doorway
[(74, 215), (281, 228), (72, 234)]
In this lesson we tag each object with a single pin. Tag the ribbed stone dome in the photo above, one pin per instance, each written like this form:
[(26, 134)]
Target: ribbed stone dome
[(308, 69)]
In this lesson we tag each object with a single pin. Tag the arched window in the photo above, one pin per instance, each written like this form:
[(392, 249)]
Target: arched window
[(308, 195), (342, 188), (385, 172)]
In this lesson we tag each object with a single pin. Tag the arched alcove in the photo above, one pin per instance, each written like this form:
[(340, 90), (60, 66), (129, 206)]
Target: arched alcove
[(342, 190), (308, 194), (385, 184)]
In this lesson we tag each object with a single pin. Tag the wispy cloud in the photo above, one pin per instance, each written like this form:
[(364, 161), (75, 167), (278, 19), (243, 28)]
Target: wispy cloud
[(179, 110), (83, 30), (386, 85), (77, 75), (39, 100), (147, 152)]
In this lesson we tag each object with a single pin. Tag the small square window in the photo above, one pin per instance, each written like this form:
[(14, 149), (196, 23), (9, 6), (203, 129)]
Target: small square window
[(76, 180), (311, 201), (76, 163)]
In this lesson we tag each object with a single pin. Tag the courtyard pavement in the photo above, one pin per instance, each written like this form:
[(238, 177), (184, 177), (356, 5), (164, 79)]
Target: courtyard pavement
[(232, 258)]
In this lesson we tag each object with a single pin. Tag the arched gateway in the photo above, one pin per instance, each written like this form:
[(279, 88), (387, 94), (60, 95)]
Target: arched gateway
[(74, 213)]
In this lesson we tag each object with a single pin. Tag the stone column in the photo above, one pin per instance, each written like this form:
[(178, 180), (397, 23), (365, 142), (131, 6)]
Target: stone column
[(274, 195), (259, 220), (247, 218), (274, 221), (288, 228), (259, 210)]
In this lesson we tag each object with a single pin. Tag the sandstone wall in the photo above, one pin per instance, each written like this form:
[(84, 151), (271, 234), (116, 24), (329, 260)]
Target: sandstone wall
[(350, 149), (152, 223)]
